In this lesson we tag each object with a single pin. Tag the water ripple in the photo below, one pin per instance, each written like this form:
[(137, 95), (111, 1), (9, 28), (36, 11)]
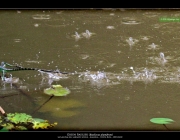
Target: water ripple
[(151, 14), (41, 16), (130, 21)]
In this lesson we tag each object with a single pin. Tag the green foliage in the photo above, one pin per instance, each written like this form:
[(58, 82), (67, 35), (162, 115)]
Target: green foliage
[(161, 120), (19, 118), (4, 129), (41, 124), (56, 90), (22, 121), (7, 126)]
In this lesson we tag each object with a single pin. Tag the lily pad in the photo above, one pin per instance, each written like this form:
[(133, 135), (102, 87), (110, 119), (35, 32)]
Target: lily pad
[(56, 90), (161, 120)]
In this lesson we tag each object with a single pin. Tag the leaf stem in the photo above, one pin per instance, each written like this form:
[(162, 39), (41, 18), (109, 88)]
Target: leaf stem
[(165, 126), (42, 104)]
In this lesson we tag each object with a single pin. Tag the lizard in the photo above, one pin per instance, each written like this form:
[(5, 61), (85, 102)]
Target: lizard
[(3, 69)]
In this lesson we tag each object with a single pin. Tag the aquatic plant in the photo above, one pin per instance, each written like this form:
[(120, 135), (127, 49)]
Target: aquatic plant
[(56, 90), (162, 121), (22, 121)]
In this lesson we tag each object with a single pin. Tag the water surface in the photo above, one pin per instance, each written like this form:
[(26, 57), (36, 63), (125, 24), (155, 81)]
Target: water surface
[(118, 81)]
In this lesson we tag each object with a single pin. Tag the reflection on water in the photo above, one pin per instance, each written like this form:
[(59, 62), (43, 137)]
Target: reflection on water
[(62, 108), (109, 82)]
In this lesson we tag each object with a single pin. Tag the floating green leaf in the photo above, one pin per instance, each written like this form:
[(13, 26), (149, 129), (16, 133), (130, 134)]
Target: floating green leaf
[(19, 118), (56, 90), (161, 120)]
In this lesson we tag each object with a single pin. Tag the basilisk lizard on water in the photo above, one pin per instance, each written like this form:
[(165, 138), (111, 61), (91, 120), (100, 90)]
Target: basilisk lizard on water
[(3, 69)]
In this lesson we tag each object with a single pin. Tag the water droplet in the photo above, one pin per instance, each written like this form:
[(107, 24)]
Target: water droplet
[(111, 14), (110, 27), (18, 12), (126, 97), (41, 16), (17, 40), (36, 25)]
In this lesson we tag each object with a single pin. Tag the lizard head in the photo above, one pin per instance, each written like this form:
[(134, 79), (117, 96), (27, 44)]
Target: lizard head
[(3, 64)]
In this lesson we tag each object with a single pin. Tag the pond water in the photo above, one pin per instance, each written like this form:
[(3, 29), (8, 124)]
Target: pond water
[(123, 67)]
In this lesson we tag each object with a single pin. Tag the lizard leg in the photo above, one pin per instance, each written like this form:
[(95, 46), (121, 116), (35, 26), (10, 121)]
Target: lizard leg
[(9, 64), (3, 73)]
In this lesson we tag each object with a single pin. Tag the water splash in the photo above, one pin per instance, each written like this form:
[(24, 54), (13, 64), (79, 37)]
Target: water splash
[(87, 34), (17, 40), (51, 77), (146, 75), (131, 41), (145, 38), (110, 27), (160, 60), (153, 47), (98, 79), (36, 25), (151, 14), (162, 57), (77, 36), (10, 80)]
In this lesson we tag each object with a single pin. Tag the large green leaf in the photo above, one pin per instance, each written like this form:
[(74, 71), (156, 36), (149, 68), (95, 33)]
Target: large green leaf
[(19, 118), (161, 120), (56, 90)]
